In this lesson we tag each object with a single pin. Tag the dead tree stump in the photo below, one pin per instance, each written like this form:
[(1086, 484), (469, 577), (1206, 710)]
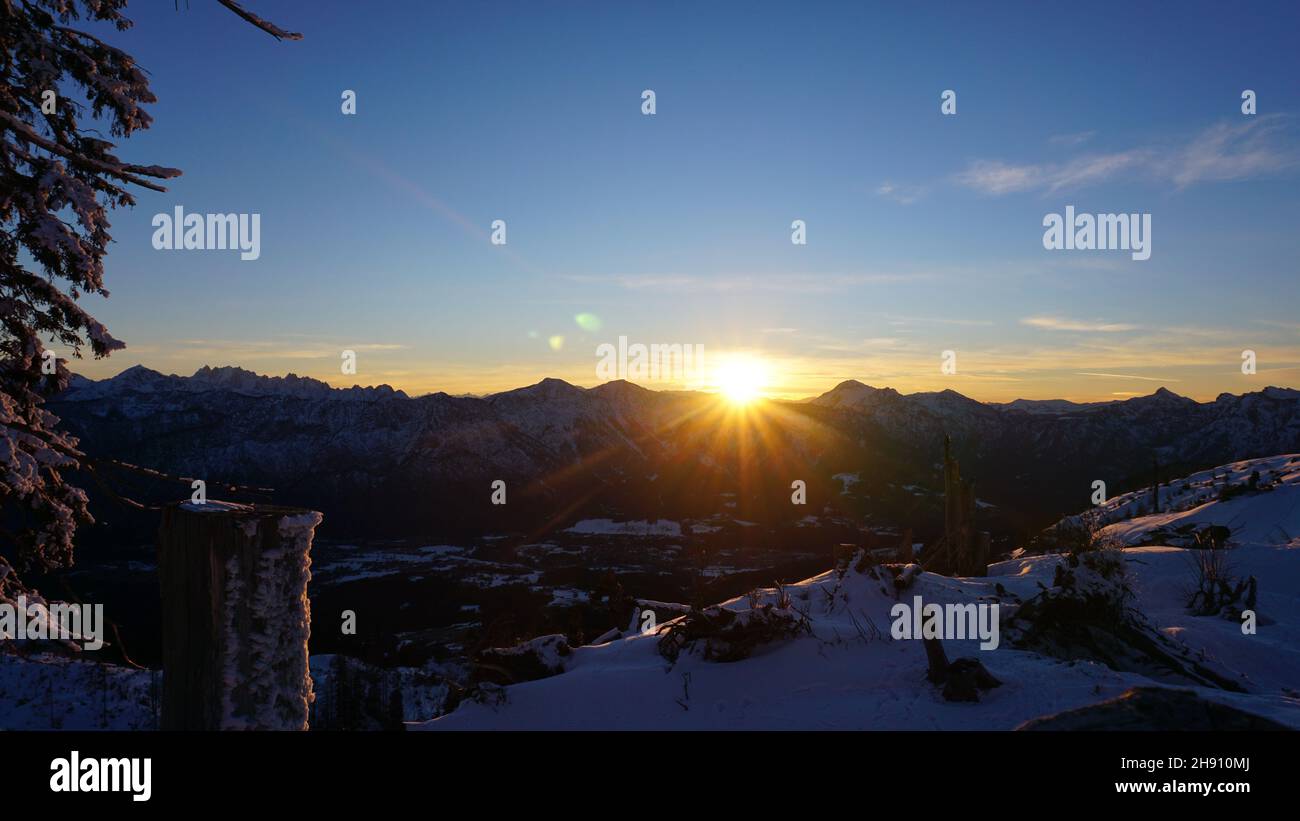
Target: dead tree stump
[(936, 661), (235, 616), (962, 680)]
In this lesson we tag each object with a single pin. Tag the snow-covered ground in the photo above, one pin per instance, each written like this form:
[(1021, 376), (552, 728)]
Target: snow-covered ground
[(848, 673), (1270, 516), (49, 691)]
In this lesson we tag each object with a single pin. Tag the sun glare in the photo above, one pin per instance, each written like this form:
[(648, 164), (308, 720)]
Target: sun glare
[(740, 379)]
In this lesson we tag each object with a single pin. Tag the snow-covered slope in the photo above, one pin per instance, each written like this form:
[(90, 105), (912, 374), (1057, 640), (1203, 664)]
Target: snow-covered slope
[(833, 663), (50, 691), (1268, 515), (847, 672)]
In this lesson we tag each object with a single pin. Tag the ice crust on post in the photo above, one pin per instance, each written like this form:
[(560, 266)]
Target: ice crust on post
[(235, 594), (276, 692)]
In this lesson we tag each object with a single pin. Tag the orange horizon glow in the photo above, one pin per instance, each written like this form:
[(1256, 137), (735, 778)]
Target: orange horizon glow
[(740, 376)]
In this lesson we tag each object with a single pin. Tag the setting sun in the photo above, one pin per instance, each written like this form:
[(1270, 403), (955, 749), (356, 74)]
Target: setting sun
[(741, 379)]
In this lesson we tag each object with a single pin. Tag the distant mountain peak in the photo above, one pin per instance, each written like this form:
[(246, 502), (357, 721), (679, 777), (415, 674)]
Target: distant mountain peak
[(247, 381), (1274, 392), (138, 378), (851, 393), (1164, 396), (621, 387), (222, 372), (137, 372), (549, 388), (946, 395), (135, 378)]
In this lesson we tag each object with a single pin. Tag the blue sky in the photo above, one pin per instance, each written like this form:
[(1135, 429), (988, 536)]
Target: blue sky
[(924, 230)]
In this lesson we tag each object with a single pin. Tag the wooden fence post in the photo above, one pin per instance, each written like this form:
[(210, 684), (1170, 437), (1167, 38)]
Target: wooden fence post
[(235, 616)]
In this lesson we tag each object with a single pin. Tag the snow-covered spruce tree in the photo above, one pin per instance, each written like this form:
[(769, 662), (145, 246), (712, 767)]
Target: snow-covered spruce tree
[(58, 178)]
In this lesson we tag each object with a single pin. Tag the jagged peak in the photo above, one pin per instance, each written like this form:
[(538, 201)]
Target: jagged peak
[(1276, 392), (1270, 392), (233, 375), (240, 380), (221, 371)]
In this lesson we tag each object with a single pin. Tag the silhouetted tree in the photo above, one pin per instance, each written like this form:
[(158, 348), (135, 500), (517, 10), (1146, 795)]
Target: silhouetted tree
[(58, 179)]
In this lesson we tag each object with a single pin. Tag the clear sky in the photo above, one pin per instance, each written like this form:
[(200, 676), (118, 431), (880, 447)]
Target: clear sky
[(924, 231)]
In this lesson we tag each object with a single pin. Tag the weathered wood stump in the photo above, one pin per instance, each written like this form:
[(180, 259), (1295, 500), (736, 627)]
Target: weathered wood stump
[(235, 616), (962, 680), (936, 661)]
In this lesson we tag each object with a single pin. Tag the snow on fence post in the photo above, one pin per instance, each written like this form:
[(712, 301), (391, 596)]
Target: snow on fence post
[(235, 616)]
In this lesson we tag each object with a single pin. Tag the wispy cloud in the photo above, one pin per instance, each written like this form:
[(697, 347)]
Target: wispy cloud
[(1128, 376), (1235, 152), (802, 282), (996, 177), (1054, 323), (904, 194), (227, 350), (1290, 326), (1072, 140), (895, 319), (1223, 152), (1090, 170)]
